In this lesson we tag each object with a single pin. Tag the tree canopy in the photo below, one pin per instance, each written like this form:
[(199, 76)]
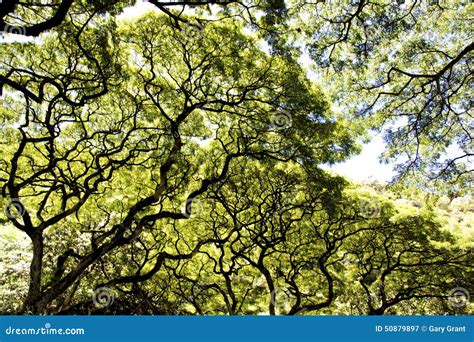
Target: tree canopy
[(172, 163)]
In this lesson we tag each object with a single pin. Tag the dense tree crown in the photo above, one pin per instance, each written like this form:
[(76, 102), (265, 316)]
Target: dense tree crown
[(172, 162)]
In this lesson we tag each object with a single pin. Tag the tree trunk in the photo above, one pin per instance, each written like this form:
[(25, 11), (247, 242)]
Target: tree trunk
[(32, 301)]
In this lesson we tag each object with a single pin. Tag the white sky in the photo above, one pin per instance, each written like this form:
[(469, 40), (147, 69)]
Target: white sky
[(365, 166), (141, 7)]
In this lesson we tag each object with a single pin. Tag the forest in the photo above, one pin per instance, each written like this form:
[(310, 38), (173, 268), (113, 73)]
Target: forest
[(174, 157)]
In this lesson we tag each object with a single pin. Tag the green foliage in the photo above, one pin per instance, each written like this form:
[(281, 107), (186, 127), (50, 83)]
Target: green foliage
[(174, 163), (405, 68)]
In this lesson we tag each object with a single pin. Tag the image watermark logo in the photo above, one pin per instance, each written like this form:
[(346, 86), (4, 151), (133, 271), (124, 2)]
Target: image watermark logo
[(14, 29), (175, 134), (192, 30), (370, 209), (103, 297), (281, 120), (194, 206), (281, 299), (458, 297), (375, 298), (46, 330), (14, 209)]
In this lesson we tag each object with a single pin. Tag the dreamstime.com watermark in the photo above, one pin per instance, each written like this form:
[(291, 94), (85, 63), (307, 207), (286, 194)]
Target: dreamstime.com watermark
[(14, 209), (46, 330), (458, 297), (103, 297), (281, 120), (370, 209)]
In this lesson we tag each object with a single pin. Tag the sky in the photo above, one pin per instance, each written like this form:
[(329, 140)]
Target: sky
[(365, 166)]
